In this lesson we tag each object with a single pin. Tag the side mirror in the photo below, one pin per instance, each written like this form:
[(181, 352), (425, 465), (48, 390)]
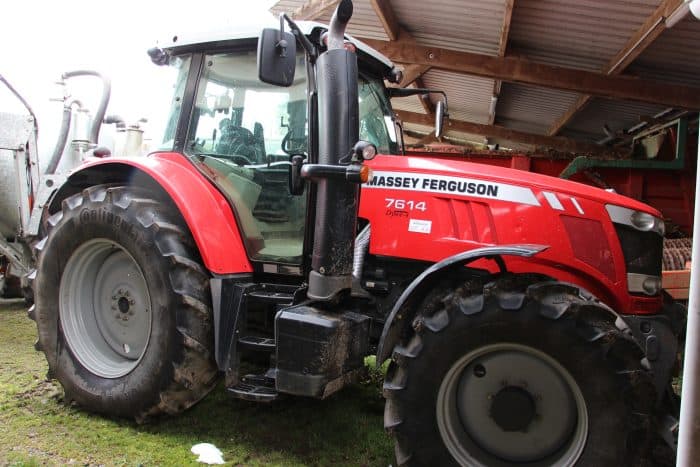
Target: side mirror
[(277, 57), (440, 114)]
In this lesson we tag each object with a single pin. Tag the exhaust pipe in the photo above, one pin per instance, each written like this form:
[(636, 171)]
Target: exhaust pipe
[(336, 201)]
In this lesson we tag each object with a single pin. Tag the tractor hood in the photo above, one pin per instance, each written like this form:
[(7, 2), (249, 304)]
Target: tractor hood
[(431, 208), (498, 182)]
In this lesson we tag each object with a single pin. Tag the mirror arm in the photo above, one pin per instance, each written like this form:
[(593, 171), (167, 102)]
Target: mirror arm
[(303, 40), (405, 92)]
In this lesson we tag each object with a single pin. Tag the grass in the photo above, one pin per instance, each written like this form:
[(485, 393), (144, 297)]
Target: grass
[(37, 427)]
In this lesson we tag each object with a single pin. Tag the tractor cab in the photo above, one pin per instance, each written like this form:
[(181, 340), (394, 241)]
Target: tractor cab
[(242, 133)]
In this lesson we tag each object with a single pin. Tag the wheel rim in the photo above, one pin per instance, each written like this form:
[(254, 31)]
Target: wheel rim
[(105, 308), (506, 403)]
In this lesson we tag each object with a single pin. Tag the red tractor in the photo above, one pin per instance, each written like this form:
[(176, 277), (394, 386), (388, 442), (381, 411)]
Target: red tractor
[(523, 315)]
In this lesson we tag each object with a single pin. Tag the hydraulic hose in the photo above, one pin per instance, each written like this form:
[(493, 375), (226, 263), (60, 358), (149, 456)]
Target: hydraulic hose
[(61, 143), (102, 107)]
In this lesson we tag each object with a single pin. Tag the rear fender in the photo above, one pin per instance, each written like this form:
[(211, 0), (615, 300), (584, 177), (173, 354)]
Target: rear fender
[(402, 312), (205, 210)]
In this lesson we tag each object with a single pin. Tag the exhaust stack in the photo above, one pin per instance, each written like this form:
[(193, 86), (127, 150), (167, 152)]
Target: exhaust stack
[(336, 201)]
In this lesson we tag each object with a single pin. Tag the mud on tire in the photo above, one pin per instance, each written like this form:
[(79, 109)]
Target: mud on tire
[(442, 408), (114, 255)]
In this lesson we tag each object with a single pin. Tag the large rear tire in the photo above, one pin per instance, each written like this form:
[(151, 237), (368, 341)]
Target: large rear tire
[(517, 372), (123, 305)]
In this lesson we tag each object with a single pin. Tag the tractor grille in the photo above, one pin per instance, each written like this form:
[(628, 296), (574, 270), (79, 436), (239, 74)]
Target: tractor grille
[(643, 251)]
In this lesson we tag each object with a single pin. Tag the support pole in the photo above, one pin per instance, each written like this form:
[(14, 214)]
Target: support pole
[(689, 434)]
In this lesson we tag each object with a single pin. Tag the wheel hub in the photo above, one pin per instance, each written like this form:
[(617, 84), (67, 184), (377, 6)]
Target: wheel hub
[(513, 409), (105, 308), (123, 304), (511, 403)]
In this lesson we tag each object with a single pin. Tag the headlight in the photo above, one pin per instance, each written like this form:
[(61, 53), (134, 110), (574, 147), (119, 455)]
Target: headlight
[(637, 219), (647, 222)]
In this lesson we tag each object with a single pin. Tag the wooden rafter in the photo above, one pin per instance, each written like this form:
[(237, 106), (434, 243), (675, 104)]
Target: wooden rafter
[(517, 70), (502, 46), (386, 16), (314, 9), (637, 43), (412, 73), (495, 131), (425, 101)]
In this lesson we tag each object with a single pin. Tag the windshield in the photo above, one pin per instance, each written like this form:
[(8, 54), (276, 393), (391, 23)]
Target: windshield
[(250, 122), (239, 118), (376, 123)]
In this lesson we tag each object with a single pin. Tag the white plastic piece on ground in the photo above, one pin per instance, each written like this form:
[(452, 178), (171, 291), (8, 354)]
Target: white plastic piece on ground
[(208, 453)]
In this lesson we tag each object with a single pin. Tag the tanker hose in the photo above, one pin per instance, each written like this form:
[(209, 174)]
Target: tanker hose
[(24, 102), (339, 21), (61, 143), (102, 107)]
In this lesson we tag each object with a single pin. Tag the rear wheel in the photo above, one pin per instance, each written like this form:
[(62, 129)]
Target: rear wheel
[(536, 374), (122, 305)]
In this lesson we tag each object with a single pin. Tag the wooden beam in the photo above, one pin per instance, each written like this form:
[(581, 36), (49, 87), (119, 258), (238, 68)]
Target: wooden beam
[(652, 28), (648, 32), (575, 108), (495, 131), (386, 16), (425, 101), (412, 73), (502, 45), (517, 70), (314, 9), (505, 28), (427, 139)]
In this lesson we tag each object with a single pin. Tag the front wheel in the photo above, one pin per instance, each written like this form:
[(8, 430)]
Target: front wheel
[(533, 374), (122, 305)]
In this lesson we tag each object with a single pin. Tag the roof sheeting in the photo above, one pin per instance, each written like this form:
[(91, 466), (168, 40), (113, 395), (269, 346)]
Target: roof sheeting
[(584, 34), (453, 24), (617, 115), (531, 108), (674, 57), (470, 96), (581, 34)]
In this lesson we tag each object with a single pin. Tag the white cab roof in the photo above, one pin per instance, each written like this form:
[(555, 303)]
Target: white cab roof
[(252, 31)]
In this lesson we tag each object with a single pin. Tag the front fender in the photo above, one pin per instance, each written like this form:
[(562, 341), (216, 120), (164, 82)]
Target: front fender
[(392, 328), (205, 210)]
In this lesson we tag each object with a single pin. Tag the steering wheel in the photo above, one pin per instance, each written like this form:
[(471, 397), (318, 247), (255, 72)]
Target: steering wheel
[(239, 159)]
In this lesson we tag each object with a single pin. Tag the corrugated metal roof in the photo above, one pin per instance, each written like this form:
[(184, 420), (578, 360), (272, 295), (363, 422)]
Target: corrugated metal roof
[(364, 21), (453, 24), (674, 57), (410, 104), (618, 115), (531, 108), (582, 34), (469, 97)]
